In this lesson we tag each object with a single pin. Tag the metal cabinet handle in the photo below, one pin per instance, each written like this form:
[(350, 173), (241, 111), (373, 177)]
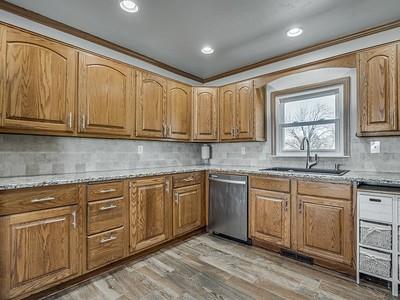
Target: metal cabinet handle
[(43, 199), (167, 186), (74, 218), (106, 191), (70, 120), (111, 238), (164, 130), (83, 123), (188, 179), (176, 198), (300, 206), (286, 204), (111, 206)]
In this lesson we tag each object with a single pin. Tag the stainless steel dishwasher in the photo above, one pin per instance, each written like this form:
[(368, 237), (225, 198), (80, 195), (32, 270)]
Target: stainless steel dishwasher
[(228, 206)]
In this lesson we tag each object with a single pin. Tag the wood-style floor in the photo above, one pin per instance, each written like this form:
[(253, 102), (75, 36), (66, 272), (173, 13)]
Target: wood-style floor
[(208, 267)]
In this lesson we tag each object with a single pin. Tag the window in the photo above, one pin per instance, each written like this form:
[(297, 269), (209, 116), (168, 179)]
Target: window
[(318, 112)]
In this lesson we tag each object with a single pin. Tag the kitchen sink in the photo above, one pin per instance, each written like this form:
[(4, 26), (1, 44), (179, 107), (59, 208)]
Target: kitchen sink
[(304, 170)]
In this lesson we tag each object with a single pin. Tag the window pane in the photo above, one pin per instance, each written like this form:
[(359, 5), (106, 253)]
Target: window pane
[(312, 109), (322, 137)]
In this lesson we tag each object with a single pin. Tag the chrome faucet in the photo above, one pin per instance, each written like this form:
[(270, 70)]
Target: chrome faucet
[(309, 162)]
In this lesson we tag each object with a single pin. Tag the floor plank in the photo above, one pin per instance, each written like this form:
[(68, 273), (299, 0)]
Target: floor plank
[(209, 267)]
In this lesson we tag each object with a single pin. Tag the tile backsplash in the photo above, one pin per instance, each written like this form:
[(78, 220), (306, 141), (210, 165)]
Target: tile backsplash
[(259, 154), (36, 155)]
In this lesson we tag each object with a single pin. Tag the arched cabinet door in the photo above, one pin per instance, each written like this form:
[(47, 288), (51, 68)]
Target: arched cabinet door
[(105, 96), (227, 112), (378, 96), (245, 110), (151, 106), (37, 83), (205, 114), (179, 103)]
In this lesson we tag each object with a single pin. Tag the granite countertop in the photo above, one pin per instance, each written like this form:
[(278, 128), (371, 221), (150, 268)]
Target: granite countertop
[(372, 178)]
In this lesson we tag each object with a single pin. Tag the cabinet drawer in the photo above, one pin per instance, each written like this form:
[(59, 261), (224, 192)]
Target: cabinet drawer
[(107, 190), (105, 215), (376, 207), (24, 200), (186, 179), (325, 189), (270, 184), (105, 247)]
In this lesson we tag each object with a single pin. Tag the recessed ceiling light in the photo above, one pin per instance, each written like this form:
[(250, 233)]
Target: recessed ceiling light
[(129, 6), (207, 50), (296, 31)]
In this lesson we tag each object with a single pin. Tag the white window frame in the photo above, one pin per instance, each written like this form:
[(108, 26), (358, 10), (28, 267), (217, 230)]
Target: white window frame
[(338, 87)]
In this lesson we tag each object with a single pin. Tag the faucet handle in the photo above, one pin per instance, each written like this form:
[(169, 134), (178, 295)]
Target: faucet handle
[(337, 166), (316, 157)]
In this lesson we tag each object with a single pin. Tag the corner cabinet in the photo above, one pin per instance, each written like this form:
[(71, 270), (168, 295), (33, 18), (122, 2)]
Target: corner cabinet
[(379, 91), (205, 114), (37, 83), (150, 212), (237, 107), (106, 90)]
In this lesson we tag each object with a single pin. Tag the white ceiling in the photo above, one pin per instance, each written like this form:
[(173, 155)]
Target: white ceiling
[(241, 31)]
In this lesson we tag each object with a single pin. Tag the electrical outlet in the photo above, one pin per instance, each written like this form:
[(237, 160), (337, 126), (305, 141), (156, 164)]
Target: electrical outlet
[(140, 149), (375, 146), (243, 150)]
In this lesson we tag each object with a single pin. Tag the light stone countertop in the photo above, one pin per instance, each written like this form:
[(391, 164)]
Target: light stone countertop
[(372, 178)]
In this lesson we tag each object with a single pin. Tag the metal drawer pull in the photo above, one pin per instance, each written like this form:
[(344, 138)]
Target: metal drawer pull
[(111, 238), (188, 179), (106, 191), (111, 206), (43, 199), (375, 200)]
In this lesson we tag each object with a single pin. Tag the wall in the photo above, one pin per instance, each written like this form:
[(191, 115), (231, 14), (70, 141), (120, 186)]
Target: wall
[(33, 155), (259, 154)]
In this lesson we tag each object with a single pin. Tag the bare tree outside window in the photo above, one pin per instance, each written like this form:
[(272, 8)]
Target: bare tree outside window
[(320, 136), (318, 112)]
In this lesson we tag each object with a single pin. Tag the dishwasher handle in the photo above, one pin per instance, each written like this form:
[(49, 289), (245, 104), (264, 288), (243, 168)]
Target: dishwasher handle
[(227, 181)]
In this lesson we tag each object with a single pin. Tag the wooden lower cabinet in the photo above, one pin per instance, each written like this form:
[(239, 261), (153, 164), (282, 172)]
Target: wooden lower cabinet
[(324, 228), (270, 217), (38, 249), (311, 218), (187, 209), (150, 212)]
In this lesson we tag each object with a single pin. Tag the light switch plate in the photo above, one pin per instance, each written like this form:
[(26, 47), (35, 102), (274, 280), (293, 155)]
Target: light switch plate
[(140, 149), (243, 150), (375, 147)]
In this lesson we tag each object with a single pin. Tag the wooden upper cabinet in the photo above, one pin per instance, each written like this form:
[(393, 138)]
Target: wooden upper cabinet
[(245, 109), (227, 112), (324, 228), (187, 209), (238, 120), (38, 83), (205, 114), (179, 108), (378, 90), (105, 96), (150, 212), (151, 105), (270, 217), (43, 249)]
